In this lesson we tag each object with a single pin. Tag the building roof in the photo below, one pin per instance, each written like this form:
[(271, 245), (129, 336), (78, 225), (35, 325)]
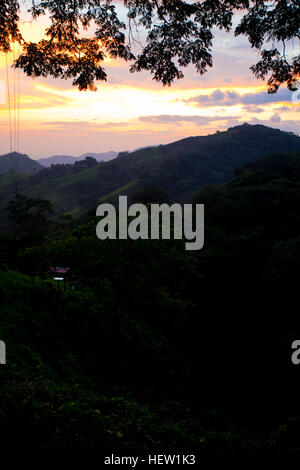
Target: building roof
[(58, 270)]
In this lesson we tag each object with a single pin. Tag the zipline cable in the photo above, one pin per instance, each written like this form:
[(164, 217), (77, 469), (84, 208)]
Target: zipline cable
[(18, 122), (15, 98), (13, 102), (19, 100), (8, 102)]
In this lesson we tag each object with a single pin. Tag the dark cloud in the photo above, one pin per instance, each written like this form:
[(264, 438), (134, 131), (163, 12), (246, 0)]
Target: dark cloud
[(178, 119), (283, 109), (275, 118), (84, 124), (276, 122), (252, 108), (230, 98)]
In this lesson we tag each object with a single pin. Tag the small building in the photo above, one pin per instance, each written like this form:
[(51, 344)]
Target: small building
[(60, 274)]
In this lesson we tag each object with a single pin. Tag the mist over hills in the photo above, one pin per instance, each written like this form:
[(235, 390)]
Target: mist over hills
[(180, 168), (22, 163), (70, 159)]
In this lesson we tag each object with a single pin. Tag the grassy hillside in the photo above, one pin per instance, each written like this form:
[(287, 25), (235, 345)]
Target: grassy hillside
[(180, 169)]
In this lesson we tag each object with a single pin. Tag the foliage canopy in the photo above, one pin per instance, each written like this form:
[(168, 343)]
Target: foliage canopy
[(178, 33)]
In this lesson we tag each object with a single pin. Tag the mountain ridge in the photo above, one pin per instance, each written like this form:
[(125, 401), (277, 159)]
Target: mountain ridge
[(18, 163), (70, 159), (180, 168)]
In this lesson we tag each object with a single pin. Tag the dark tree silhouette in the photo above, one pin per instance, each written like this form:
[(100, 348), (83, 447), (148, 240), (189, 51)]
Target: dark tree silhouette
[(29, 215), (150, 195), (179, 33)]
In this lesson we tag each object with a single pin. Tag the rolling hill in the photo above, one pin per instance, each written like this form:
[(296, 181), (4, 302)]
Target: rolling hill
[(180, 168), (18, 163)]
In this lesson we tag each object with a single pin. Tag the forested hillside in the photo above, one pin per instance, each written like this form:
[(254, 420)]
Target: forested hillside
[(180, 169), (157, 348), (18, 163)]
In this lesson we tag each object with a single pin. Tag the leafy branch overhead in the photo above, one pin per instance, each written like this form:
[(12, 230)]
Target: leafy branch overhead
[(177, 33)]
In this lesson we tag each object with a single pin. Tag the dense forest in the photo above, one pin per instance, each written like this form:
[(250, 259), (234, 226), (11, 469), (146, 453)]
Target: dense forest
[(150, 347)]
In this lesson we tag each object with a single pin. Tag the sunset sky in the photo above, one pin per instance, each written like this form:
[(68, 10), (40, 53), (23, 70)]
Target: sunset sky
[(131, 110)]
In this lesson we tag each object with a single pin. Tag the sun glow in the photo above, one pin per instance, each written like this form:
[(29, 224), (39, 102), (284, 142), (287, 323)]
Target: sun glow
[(131, 110)]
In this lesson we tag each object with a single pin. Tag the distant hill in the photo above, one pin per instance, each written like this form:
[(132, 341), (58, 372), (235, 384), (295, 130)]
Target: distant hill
[(18, 163), (57, 160), (180, 169), (69, 159)]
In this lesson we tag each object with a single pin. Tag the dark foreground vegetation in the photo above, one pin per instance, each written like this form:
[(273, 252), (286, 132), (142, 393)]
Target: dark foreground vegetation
[(155, 347)]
